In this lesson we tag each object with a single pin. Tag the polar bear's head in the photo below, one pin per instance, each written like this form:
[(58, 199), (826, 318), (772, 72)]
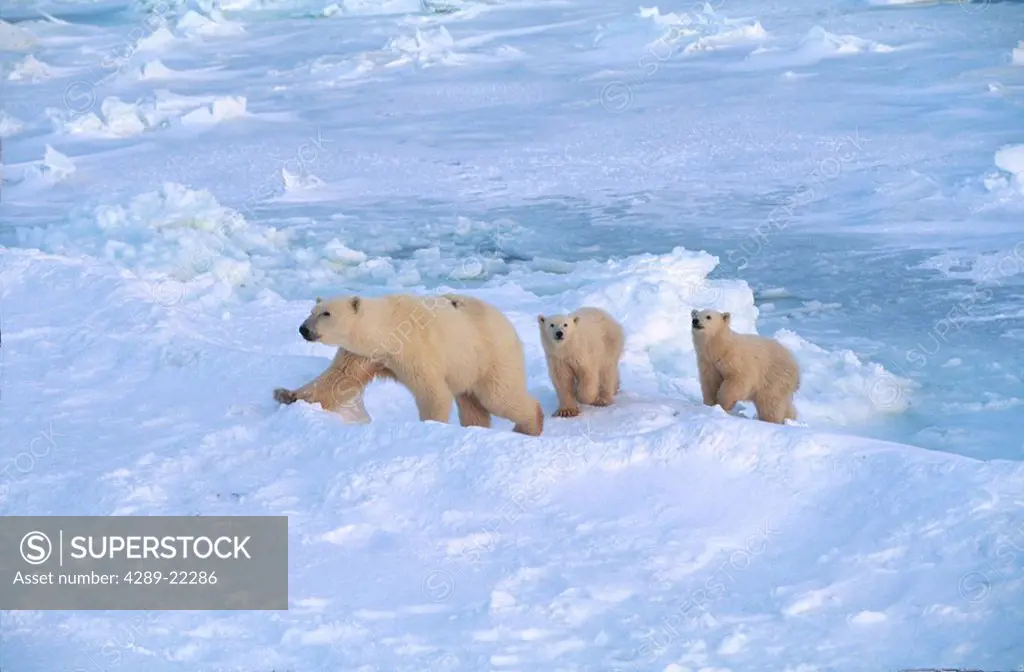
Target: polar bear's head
[(341, 322), (557, 329), (707, 323)]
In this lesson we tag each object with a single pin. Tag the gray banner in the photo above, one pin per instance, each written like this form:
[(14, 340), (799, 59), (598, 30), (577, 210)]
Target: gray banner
[(144, 562)]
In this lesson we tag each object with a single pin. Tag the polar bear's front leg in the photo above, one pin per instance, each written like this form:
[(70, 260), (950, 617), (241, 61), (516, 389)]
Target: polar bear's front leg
[(340, 386), (733, 390), (710, 382), (564, 380)]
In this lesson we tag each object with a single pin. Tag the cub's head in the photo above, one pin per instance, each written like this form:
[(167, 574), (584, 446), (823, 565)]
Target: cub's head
[(707, 323), (557, 329), (334, 321)]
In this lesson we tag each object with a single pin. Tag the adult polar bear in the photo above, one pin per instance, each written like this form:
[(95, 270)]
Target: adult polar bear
[(441, 348)]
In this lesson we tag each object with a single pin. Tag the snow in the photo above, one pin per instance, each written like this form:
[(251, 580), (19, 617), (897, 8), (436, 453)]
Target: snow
[(181, 180)]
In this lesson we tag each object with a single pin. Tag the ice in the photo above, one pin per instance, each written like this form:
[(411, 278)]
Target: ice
[(301, 182), (425, 48), (30, 69), (1011, 160), (817, 45), (156, 70), (182, 179), (753, 33), (118, 118), (9, 125), (373, 7), (183, 234), (159, 40), (701, 29), (343, 8), (54, 167), (1018, 54), (215, 25), (221, 109), (15, 39)]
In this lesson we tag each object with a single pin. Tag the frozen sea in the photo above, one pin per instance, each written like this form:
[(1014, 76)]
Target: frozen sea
[(181, 179)]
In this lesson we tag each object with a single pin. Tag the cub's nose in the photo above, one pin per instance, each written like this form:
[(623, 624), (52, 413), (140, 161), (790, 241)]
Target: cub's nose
[(304, 330), (696, 323), (558, 335)]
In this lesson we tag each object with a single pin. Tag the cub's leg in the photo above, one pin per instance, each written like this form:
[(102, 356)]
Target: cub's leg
[(733, 390), (710, 382), (771, 409), (608, 384), (564, 380), (588, 387)]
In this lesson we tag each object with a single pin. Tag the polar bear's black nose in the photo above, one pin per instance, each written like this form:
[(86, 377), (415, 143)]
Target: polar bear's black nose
[(696, 323), (558, 335), (304, 330)]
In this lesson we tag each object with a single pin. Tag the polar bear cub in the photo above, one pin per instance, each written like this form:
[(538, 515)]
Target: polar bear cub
[(441, 348), (743, 367), (583, 350)]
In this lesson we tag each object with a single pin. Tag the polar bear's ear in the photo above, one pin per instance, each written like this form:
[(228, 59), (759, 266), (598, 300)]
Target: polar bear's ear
[(540, 319), (355, 304), (725, 317), (576, 319), (319, 300)]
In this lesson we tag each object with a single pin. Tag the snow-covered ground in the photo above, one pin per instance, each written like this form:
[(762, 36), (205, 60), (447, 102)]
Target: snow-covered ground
[(182, 179)]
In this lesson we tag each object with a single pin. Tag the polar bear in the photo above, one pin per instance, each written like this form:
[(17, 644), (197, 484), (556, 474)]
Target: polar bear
[(583, 350), (441, 348), (743, 367)]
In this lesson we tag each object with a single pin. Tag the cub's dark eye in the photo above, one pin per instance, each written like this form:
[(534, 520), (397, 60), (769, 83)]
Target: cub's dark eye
[(707, 317), (325, 314)]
